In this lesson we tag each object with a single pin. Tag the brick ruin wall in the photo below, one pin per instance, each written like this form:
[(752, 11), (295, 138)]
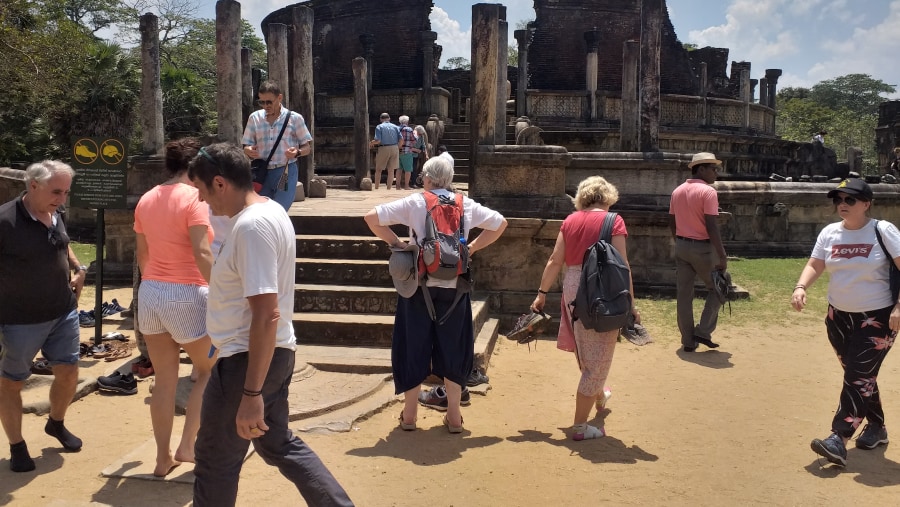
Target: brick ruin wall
[(557, 54), (395, 24)]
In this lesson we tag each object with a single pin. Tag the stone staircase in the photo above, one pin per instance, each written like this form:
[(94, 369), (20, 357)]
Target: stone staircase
[(345, 300), (456, 139)]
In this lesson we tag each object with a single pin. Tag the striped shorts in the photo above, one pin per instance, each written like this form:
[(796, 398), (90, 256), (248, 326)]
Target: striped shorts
[(175, 308)]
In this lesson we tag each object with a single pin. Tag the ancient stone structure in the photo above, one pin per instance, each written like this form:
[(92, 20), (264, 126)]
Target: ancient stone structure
[(228, 70), (151, 91), (887, 134)]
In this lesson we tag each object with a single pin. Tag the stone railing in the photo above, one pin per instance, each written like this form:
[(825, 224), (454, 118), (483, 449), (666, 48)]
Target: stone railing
[(337, 109), (12, 183), (676, 111)]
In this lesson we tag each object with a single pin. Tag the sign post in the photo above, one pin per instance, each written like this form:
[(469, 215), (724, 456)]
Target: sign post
[(101, 166)]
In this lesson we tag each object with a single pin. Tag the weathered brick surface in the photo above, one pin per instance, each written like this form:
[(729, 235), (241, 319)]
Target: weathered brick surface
[(557, 53), (396, 25)]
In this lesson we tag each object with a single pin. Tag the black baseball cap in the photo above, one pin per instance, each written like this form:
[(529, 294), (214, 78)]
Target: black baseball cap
[(855, 187)]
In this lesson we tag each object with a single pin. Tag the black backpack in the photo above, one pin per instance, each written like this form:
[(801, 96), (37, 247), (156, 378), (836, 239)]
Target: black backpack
[(603, 301)]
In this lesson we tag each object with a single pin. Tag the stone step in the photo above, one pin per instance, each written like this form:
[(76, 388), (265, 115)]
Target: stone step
[(367, 272), (342, 247), (343, 299), (360, 329), (337, 225)]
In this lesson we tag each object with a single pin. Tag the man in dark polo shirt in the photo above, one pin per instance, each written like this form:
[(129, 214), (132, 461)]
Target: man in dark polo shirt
[(38, 304)]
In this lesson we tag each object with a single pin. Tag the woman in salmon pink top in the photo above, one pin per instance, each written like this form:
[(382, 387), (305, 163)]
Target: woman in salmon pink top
[(593, 350), (173, 253)]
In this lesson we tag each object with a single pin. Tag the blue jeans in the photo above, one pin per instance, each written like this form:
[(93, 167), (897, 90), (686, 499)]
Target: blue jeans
[(282, 195), (56, 339), (219, 451)]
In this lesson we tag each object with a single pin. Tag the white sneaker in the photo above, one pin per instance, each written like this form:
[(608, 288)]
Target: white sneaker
[(586, 432)]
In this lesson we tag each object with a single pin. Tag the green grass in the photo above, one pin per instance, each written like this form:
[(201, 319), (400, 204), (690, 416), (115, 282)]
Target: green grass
[(770, 283), (86, 253)]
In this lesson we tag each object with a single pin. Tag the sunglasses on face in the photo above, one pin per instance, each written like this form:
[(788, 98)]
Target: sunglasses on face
[(849, 200), (265, 103)]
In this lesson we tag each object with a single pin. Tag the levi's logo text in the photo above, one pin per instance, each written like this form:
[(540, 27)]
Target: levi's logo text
[(850, 251)]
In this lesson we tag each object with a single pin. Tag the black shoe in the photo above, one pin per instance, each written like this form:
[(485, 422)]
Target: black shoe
[(118, 383), (706, 341), (871, 437), (20, 460), (832, 449), (437, 398), (57, 430), (689, 349), (476, 378)]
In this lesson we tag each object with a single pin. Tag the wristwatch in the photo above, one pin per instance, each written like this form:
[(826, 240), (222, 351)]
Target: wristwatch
[(81, 268)]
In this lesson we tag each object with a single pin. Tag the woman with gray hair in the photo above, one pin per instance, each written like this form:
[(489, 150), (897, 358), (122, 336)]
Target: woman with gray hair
[(593, 349), (420, 346)]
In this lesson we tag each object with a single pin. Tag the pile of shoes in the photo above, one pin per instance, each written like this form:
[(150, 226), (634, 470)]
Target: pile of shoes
[(41, 367), (111, 308), (142, 367), (116, 349), (88, 318), (118, 383)]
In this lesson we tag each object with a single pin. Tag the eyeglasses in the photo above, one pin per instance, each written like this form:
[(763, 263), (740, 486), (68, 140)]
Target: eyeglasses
[(849, 200), (265, 103), (56, 238)]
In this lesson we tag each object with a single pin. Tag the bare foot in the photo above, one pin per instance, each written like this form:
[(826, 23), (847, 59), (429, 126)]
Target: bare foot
[(163, 469), (184, 456)]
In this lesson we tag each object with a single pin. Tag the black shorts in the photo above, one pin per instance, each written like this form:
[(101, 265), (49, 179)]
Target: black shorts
[(420, 346)]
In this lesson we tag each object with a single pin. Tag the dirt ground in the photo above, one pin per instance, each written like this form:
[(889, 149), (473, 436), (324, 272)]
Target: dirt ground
[(725, 427)]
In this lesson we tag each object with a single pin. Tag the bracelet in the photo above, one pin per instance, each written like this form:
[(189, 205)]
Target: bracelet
[(800, 286), (542, 292), (248, 392)]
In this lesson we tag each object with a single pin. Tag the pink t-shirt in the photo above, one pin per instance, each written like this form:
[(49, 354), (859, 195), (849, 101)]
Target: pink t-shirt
[(163, 216), (691, 201), (581, 229)]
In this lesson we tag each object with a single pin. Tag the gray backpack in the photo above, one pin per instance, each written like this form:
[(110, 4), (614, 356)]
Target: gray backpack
[(603, 301)]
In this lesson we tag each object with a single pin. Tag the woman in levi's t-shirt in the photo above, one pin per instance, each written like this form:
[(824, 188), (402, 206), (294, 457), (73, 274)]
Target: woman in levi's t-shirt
[(863, 315), (593, 350)]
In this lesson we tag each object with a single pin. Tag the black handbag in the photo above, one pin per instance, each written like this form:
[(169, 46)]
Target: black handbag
[(895, 273), (259, 167)]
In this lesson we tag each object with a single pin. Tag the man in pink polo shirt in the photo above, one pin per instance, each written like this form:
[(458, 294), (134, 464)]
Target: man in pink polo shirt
[(693, 211)]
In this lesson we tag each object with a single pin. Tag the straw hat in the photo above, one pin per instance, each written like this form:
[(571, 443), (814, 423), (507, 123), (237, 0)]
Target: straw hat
[(704, 158)]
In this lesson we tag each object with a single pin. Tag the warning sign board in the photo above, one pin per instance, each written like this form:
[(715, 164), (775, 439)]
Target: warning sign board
[(101, 165)]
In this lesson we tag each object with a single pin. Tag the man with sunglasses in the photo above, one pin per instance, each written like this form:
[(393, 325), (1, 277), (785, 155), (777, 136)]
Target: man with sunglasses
[(38, 304), (693, 212), (263, 128), (249, 319)]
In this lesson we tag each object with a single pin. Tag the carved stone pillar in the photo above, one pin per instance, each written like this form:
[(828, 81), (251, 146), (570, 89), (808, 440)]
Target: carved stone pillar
[(483, 117), (502, 77), (592, 38), (368, 44), (523, 38), (629, 139), (772, 76), (428, 39), (228, 70), (704, 93), (651, 35), (745, 96), (152, 132), (277, 51), (302, 86), (753, 84), (764, 92), (247, 96), (361, 123)]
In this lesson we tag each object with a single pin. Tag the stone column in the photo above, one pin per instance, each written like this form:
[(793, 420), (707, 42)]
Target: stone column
[(592, 38), (483, 109), (704, 93), (368, 43), (523, 38), (361, 123), (630, 121), (248, 98), (228, 70), (428, 39), (651, 34), (152, 132), (277, 51), (764, 92), (772, 76), (302, 85), (502, 77), (745, 95), (753, 84)]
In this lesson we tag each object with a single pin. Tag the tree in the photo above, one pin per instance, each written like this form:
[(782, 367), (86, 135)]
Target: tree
[(513, 55), (788, 93), (859, 93), (457, 63)]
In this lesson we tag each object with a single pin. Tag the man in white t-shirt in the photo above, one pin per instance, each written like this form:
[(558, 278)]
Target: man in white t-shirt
[(251, 299)]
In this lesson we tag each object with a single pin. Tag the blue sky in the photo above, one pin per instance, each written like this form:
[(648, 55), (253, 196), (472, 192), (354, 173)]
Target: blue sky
[(810, 40)]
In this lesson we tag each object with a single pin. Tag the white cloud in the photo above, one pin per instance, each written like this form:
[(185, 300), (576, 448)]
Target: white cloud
[(454, 40)]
